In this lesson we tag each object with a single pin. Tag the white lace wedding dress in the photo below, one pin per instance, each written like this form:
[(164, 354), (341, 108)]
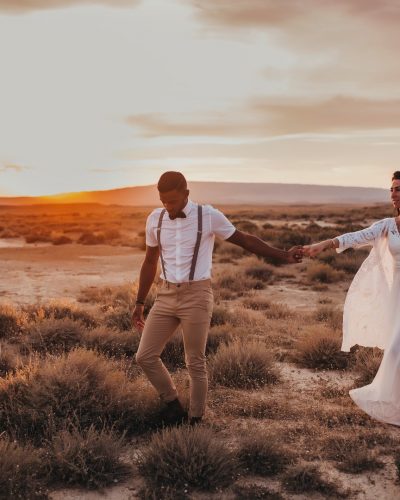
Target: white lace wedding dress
[(372, 316)]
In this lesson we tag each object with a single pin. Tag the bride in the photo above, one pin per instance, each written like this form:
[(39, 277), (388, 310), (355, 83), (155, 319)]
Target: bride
[(371, 311)]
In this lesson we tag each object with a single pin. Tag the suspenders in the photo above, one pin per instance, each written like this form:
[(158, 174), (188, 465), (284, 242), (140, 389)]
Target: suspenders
[(197, 245)]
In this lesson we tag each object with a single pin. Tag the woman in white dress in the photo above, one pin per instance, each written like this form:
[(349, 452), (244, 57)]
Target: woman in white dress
[(371, 311)]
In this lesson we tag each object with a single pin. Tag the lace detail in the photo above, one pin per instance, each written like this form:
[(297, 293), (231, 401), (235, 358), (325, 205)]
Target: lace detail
[(364, 237)]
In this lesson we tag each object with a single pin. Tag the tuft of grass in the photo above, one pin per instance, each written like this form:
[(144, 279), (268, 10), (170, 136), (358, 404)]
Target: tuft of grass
[(81, 386), (89, 458), (173, 354), (53, 335), (366, 364), (243, 365), (61, 309), (260, 270), (11, 321), (22, 471), (351, 454), (220, 335), (119, 318), (323, 273), (220, 316), (187, 457), (111, 341), (262, 453), (330, 316), (10, 358), (321, 349), (306, 479)]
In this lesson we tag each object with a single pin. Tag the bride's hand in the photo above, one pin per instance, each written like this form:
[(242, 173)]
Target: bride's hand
[(316, 248)]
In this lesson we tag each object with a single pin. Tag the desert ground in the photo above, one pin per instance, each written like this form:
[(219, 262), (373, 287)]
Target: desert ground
[(79, 420)]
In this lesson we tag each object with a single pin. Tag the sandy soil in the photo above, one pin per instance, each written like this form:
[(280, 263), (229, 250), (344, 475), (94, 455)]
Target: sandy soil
[(40, 272), (36, 273)]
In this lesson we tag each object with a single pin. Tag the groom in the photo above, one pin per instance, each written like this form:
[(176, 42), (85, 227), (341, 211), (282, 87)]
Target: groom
[(181, 236)]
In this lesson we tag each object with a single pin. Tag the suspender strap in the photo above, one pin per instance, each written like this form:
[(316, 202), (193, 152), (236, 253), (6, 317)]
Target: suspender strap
[(197, 246), (159, 241)]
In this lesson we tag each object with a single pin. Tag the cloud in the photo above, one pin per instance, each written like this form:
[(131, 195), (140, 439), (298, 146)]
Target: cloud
[(21, 6), (13, 166), (266, 117), (241, 13)]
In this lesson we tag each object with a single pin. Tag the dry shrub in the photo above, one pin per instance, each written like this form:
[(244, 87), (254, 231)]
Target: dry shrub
[(22, 471), (260, 270), (187, 457), (119, 297), (322, 273), (10, 358), (12, 321), (111, 341), (173, 354), (307, 478), (221, 316), (61, 240), (53, 335), (225, 249), (262, 453), (119, 318), (238, 282), (366, 364), (243, 365), (89, 458), (82, 386), (332, 316), (60, 309), (272, 310), (91, 238), (320, 349), (350, 261), (351, 453), (221, 335), (336, 417)]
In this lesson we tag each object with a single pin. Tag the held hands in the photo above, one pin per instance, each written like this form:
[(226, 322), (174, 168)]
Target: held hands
[(138, 318), (295, 255), (316, 248)]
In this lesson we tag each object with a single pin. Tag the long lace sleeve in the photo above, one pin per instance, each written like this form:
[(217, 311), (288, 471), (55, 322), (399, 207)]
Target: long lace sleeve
[(361, 238)]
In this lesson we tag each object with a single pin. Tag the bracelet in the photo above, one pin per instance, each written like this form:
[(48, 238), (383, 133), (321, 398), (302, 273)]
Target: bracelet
[(139, 303)]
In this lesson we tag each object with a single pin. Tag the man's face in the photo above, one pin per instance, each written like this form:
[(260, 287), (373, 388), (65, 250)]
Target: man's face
[(174, 201)]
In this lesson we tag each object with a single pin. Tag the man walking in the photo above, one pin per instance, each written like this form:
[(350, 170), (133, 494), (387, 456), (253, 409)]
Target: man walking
[(181, 236)]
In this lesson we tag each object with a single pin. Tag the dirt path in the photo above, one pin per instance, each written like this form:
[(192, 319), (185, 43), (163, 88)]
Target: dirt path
[(31, 274)]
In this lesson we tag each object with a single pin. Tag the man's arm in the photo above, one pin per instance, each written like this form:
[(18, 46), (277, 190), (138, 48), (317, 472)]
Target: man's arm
[(146, 278), (259, 247)]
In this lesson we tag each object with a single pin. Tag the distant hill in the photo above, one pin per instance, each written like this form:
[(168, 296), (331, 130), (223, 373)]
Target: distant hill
[(219, 193)]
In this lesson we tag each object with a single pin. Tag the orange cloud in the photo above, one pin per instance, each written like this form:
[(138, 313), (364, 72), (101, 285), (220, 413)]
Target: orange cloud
[(21, 6), (264, 117)]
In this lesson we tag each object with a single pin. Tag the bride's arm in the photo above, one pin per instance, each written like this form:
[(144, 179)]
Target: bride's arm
[(355, 239)]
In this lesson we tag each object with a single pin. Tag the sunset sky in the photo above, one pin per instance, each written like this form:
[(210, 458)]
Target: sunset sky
[(111, 93)]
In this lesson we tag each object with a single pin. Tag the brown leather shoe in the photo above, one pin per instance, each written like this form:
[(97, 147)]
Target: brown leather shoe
[(174, 413)]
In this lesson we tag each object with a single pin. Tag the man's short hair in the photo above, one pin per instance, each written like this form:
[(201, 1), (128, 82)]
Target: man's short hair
[(170, 181)]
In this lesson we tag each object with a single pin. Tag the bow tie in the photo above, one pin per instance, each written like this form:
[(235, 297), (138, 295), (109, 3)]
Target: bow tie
[(181, 215)]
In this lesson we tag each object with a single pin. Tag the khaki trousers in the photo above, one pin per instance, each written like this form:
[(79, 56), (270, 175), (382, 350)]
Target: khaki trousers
[(189, 305)]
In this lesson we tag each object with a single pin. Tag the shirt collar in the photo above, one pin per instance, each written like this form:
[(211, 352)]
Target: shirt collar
[(188, 207)]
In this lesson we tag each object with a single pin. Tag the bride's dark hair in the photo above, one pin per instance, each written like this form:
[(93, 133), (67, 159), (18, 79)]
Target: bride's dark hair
[(396, 177)]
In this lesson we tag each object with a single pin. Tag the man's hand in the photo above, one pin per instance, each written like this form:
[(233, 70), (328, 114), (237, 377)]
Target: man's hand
[(138, 318), (295, 255)]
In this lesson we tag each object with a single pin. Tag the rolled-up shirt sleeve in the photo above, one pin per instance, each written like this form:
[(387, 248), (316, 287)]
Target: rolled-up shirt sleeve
[(151, 237), (361, 238), (220, 225)]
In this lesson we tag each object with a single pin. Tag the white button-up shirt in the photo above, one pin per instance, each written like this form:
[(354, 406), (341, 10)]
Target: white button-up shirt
[(178, 239)]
